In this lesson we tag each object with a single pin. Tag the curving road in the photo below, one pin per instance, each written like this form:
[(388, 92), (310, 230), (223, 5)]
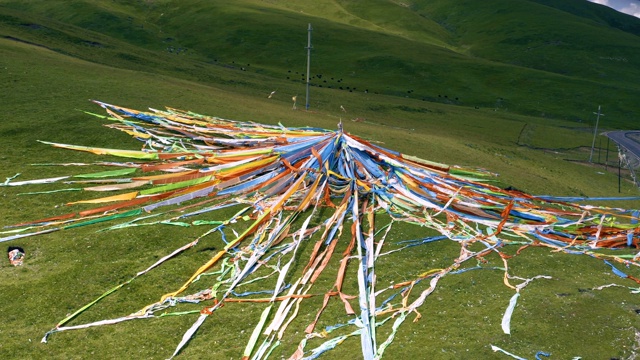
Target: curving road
[(626, 139)]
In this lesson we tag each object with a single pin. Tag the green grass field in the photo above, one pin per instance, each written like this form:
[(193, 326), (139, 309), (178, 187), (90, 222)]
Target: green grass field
[(509, 87)]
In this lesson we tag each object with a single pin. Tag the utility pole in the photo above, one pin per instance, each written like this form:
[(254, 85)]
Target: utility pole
[(619, 172), (595, 132), (599, 149), (606, 161), (308, 63)]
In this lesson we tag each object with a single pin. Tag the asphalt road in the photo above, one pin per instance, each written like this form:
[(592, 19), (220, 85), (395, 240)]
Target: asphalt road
[(625, 139)]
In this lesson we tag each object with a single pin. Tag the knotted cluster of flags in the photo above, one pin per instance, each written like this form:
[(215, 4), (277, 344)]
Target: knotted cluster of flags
[(285, 188)]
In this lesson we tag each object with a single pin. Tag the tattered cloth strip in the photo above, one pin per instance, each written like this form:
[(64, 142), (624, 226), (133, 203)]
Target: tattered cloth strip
[(497, 349), (332, 189)]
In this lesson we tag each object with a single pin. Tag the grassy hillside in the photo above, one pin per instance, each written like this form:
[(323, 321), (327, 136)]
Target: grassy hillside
[(461, 82), (467, 53)]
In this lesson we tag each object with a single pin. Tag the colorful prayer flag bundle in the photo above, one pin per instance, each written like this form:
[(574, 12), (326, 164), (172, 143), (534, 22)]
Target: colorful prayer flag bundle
[(293, 186)]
